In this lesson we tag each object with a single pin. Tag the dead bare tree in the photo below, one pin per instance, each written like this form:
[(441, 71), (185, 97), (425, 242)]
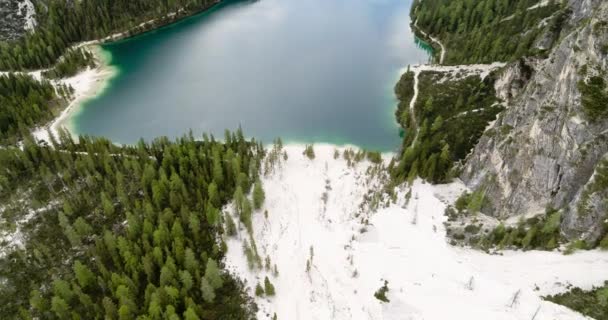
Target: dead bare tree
[(415, 217), (536, 313), (471, 284), (515, 299)]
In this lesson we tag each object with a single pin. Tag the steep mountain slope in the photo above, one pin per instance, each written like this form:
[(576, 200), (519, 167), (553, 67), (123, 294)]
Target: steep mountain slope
[(546, 149), (16, 17)]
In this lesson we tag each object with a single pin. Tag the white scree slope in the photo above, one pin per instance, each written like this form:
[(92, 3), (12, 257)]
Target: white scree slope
[(427, 278)]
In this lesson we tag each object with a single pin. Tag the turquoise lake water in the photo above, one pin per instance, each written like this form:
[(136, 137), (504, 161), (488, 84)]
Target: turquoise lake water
[(303, 70)]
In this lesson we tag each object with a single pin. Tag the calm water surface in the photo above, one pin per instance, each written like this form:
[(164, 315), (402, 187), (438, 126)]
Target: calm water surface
[(304, 70)]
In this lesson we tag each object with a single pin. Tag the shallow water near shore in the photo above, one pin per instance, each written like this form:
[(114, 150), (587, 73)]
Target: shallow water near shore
[(307, 71)]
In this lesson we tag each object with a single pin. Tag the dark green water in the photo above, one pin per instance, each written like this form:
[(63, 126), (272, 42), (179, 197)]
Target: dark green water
[(304, 70)]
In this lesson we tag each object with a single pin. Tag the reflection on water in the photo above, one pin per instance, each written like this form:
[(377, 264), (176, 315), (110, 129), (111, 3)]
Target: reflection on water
[(305, 70)]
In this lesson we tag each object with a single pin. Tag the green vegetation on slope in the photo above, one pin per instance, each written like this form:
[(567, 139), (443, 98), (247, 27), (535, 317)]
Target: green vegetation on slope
[(485, 31), (592, 303), (25, 103), (541, 232), (404, 90), (70, 64), (449, 118), (62, 23), (122, 232), (598, 185), (593, 97)]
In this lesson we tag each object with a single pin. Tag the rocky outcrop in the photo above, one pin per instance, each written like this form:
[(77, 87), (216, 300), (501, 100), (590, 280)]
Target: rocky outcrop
[(587, 218), (544, 149), (16, 17)]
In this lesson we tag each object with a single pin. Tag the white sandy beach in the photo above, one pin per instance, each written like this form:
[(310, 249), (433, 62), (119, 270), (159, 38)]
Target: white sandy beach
[(87, 84), (403, 244)]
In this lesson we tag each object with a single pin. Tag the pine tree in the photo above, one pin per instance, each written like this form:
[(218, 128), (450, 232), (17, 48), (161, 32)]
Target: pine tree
[(83, 274), (60, 307), (230, 225), (212, 214), (107, 205), (109, 307), (190, 261), (246, 215), (239, 198), (526, 242), (61, 288), (186, 280), (194, 224), (154, 309), (190, 314), (380, 294), (166, 275), (259, 291), (437, 124), (604, 243), (213, 195), (82, 228), (258, 195), (125, 312), (268, 287), (207, 291), (218, 172), (213, 275), (309, 152), (38, 302)]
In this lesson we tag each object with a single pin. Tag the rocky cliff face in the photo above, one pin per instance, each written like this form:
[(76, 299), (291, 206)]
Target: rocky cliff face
[(16, 17), (545, 150)]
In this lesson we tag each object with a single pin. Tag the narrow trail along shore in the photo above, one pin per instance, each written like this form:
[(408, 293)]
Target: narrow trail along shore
[(483, 70), (442, 56), (413, 102)]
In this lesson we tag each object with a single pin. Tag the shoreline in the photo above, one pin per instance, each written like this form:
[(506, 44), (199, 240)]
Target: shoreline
[(90, 83), (415, 28), (87, 85)]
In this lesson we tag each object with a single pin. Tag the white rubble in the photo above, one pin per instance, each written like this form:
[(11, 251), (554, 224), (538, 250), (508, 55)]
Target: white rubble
[(402, 244)]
